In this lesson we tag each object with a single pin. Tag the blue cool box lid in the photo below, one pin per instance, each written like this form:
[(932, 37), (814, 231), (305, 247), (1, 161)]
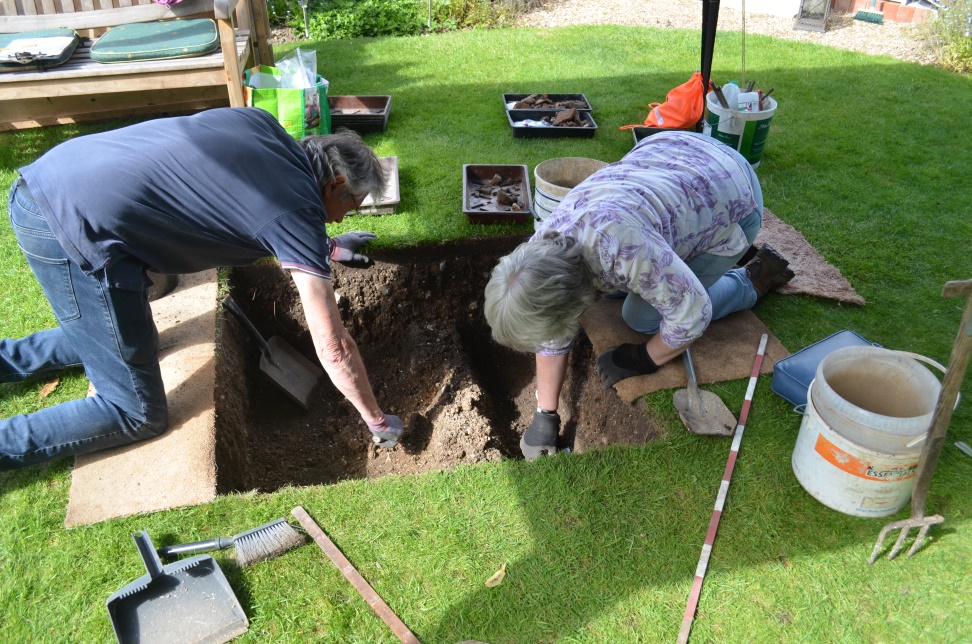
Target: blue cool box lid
[(792, 375), (34, 50)]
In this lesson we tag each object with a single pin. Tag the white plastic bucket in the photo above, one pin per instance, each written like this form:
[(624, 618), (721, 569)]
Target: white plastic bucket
[(859, 443), (554, 178), (745, 132)]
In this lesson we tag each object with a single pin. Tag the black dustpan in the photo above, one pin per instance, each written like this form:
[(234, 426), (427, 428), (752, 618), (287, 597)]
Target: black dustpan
[(187, 601)]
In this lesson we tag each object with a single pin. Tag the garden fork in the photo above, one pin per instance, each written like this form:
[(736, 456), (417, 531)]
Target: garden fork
[(936, 433)]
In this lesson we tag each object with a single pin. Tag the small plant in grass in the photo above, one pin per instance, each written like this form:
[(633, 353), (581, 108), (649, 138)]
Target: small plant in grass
[(950, 35), (449, 15)]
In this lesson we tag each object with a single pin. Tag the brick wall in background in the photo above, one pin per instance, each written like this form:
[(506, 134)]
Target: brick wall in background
[(893, 11)]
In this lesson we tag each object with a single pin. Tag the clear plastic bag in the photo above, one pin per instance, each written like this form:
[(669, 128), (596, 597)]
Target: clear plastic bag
[(299, 69)]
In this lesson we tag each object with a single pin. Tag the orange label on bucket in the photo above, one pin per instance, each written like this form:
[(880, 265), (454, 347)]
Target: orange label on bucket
[(858, 467)]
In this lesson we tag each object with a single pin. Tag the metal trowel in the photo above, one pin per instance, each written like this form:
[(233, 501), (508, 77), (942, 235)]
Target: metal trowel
[(702, 412), (286, 366)]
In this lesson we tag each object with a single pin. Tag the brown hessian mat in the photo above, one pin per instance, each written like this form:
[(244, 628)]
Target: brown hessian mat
[(726, 351), (179, 467), (814, 276)]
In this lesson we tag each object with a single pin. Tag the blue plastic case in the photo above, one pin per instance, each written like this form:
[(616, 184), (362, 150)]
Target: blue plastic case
[(792, 375)]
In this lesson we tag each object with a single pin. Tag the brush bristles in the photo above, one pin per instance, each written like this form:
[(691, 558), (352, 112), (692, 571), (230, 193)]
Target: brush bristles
[(876, 17), (272, 541)]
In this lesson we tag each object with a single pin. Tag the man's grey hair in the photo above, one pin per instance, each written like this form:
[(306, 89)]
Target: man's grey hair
[(345, 154), (536, 295)]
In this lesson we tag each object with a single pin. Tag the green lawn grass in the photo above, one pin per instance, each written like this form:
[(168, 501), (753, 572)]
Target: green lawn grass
[(867, 156)]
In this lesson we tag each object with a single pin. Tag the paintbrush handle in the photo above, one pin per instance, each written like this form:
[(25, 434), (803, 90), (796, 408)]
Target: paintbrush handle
[(170, 552)]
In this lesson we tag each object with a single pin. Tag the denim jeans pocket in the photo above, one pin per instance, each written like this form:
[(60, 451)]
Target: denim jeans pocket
[(54, 276), (46, 257)]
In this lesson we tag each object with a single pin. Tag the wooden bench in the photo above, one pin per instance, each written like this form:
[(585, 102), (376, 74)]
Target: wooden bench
[(84, 90)]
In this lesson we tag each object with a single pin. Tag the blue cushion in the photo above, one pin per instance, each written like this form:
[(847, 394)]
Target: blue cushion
[(156, 41)]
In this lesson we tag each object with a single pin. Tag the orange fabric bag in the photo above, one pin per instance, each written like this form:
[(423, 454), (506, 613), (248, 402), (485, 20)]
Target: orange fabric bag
[(681, 110)]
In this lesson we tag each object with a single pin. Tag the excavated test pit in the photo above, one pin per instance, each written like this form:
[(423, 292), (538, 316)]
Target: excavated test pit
[(417, 317)]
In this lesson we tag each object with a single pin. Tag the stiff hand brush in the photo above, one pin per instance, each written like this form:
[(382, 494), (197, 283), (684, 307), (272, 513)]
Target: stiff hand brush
[(870, 15), (253, 546)]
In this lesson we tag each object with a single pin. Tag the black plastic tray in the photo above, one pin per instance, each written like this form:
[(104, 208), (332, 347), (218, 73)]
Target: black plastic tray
[(509, 98), (514, 116), (360, 113), (474, 175)]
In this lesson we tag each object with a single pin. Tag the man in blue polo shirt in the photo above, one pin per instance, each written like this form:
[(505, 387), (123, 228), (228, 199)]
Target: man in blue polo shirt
[(224, 187)]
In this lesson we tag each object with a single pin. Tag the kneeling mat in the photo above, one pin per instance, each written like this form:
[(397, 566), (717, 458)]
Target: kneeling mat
[(726, 351), (156, 41)]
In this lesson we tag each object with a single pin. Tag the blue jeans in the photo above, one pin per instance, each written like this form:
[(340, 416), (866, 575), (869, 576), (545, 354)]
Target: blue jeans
[(729, 289), (108, 331)]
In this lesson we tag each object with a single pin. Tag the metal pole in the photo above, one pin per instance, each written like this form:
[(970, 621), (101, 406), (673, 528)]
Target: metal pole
[(742, 76), (710, 19)]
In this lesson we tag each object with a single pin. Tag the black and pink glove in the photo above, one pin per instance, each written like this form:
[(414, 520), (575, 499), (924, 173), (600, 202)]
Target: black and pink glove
[(387, 433), (344, 248), (540, 438)]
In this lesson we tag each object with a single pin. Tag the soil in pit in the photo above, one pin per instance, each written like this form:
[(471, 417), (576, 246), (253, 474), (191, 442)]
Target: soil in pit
[(417, 317)]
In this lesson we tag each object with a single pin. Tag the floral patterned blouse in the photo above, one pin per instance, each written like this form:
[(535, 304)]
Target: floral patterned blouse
[(670, 199)]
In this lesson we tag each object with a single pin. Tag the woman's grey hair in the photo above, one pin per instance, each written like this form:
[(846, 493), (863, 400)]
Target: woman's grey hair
[(345, 154), (537, 294)]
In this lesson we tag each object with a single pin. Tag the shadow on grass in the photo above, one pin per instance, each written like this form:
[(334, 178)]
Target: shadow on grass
[(629, 522), (843, 129)]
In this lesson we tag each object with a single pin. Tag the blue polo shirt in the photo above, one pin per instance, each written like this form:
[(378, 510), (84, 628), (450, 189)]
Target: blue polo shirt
[(224, 187)]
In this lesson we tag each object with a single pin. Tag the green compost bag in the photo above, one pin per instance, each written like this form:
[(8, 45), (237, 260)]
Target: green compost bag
[(302, 112)]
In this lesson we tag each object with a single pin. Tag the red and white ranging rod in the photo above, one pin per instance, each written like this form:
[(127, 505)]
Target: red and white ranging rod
[(693, 599)]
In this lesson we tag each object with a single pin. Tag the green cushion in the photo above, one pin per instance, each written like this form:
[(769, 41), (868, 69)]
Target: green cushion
[(156, 41), (33, 50)]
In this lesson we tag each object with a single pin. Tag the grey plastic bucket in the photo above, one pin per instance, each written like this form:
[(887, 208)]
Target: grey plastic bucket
[(554, 178)]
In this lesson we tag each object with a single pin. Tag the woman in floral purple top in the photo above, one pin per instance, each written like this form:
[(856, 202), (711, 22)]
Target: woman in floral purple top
[(666, 225)]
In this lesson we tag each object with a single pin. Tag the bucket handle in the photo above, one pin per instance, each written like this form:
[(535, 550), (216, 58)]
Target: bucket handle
[(926, 360), (533, 213), (921, 358), (802, 409)]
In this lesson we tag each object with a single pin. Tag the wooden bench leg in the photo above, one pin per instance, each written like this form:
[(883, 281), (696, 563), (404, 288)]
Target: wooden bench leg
[(260, 19), (231, 63)]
